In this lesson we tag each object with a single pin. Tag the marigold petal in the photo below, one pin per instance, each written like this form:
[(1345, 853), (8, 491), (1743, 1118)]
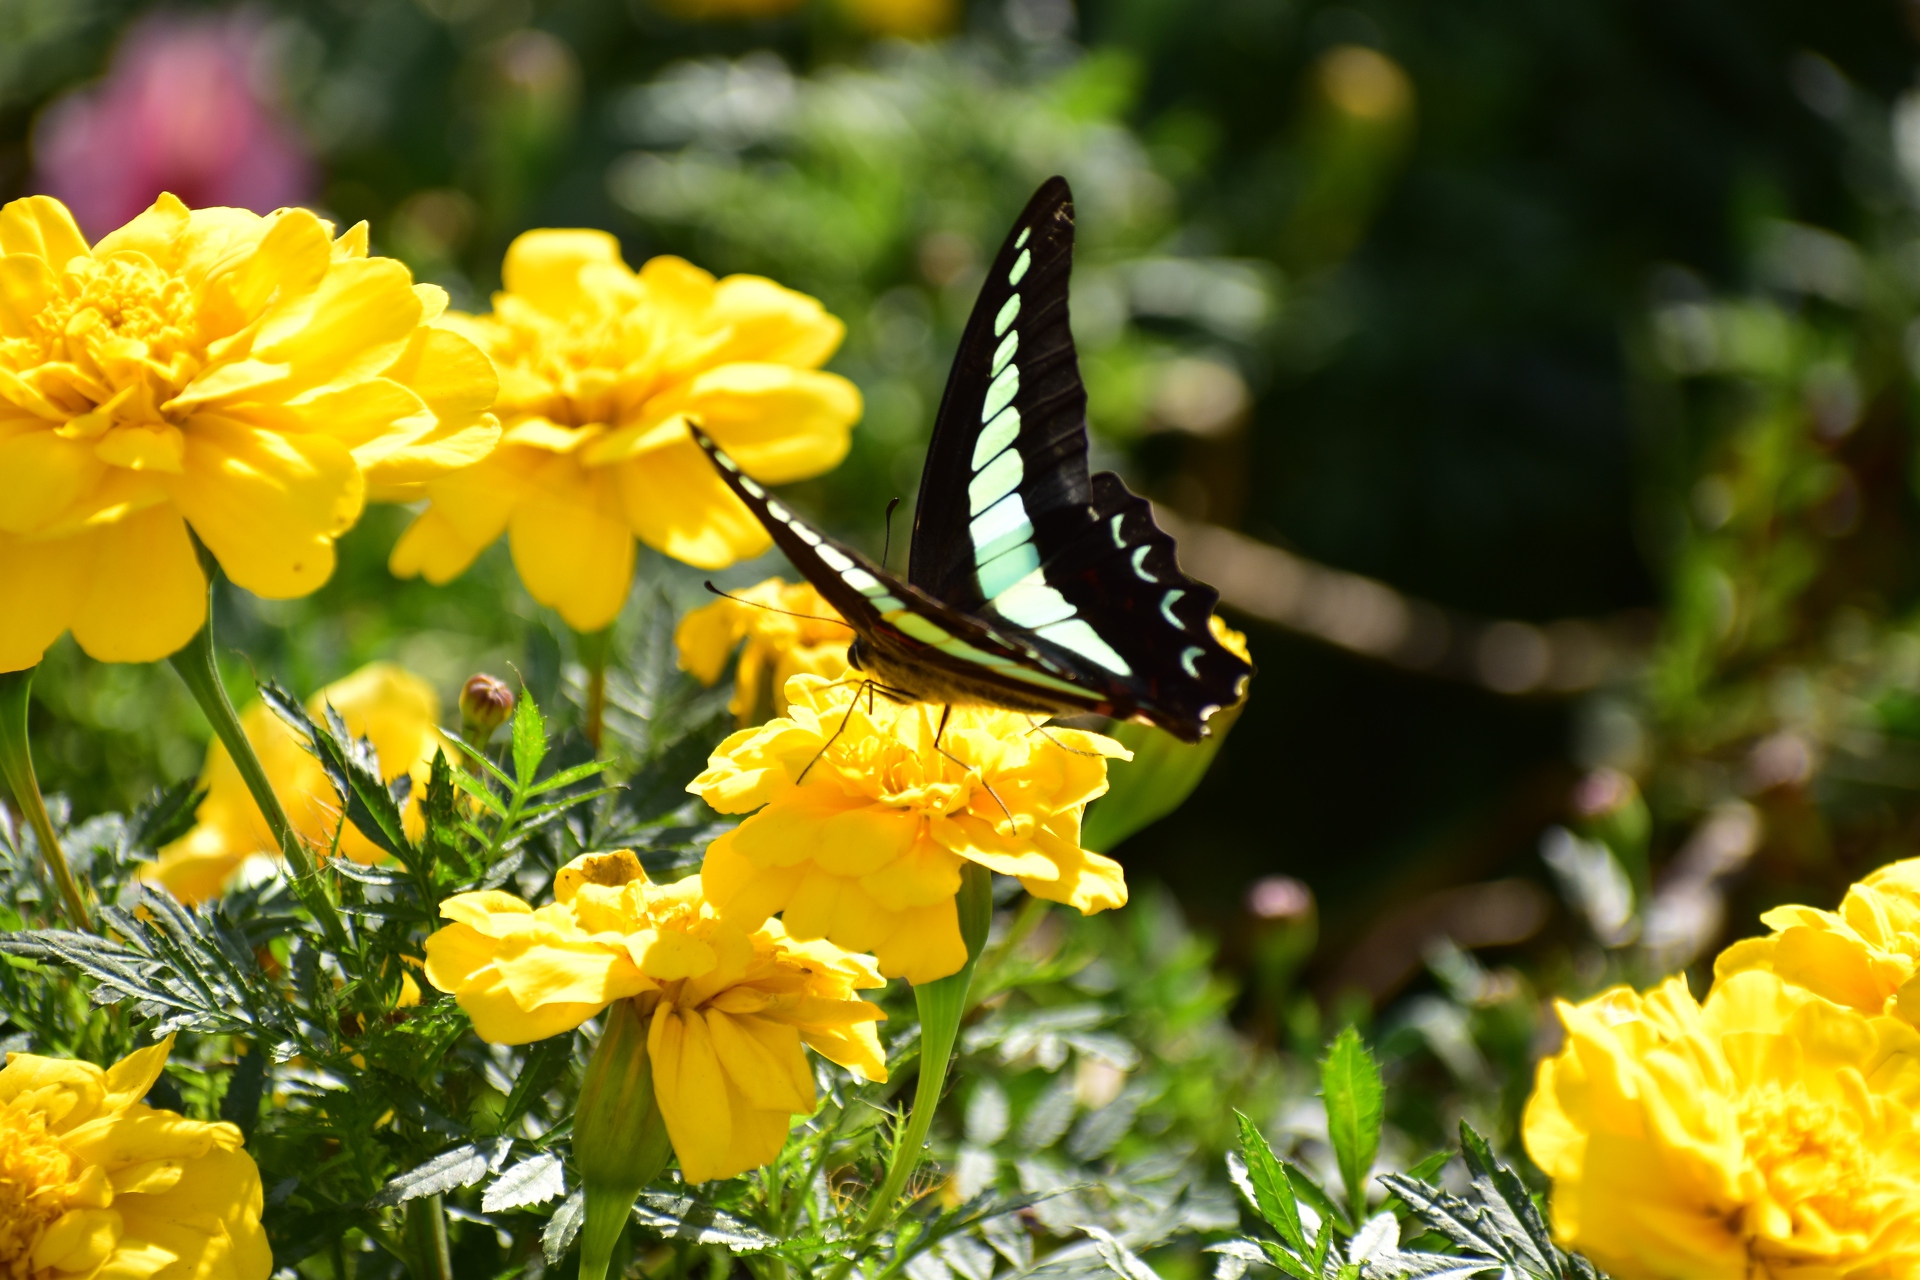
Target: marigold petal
[(769, 322), (40, 587), (674, 502), (78, 1241), (922, 875), (855, 1046), (779, 423), (356, 323), (925, 945), (145, 594), (62, 471), (40, 225), (741, 891), (764, 1060), (669, 955), (574, 552), (544, 266), (692, 1091), (267, 505), (567, 972)]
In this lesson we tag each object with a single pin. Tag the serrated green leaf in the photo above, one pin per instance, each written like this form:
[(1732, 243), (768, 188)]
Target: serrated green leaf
[(1350, 1085), (1272, 1194), (529, 739), (567, 777)]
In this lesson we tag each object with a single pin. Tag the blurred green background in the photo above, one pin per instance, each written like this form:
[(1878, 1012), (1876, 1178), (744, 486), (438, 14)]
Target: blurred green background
[(1552, 362)]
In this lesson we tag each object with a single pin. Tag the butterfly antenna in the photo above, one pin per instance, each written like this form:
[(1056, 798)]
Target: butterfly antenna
[(809, 617), (887, 549)]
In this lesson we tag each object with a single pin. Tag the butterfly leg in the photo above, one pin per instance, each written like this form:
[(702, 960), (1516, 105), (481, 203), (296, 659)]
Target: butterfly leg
[(865, 685), (1040, 727), (946, 713)]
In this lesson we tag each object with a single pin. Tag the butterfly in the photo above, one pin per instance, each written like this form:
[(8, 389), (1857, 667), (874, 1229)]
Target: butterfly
[(1030, 584)]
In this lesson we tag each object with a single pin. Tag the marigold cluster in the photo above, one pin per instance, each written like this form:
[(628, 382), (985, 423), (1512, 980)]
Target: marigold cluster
[(601, 370), (729, 1006), (251, 379), (789, 630), (864, 811), (95, 1183)]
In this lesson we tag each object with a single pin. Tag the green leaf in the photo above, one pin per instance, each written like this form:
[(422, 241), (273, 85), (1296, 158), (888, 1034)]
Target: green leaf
[(1272, 1193), (529, 739), (1350, 1084), (1307, 1191)]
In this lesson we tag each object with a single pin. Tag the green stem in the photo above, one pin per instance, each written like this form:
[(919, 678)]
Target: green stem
[(16, 768), (197, 669), (430, 1256), (941, 1006), (593, 647)]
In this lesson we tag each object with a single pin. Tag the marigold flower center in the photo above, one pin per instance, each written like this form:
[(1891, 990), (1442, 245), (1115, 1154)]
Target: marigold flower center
[(34, 1171), (112, 324), (1809, 1150)]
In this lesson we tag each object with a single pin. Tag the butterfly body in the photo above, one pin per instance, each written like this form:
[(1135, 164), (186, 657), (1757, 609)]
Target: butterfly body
[(1031, 584)]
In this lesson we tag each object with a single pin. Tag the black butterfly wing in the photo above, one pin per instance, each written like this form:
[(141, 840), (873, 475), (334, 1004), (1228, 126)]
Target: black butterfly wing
[(1010, 528), (932, 652), (1008, 461)]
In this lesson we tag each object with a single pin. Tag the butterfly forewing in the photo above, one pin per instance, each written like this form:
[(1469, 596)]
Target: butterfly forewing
[(1011, 529)]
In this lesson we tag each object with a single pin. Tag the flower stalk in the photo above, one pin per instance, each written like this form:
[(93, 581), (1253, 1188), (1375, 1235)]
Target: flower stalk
[(197, 669), (941, 1005), (16, 767), (620, 1139), (594, 647), (430, 1253)]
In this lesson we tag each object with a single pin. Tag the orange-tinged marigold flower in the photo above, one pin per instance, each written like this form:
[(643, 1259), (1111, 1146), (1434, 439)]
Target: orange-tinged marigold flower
[(866, 848), (1865, 955), (95, 1183), (1765, 1133), (601, 371), (806, 637), (728, 1007), (253, 379), (386, 704)]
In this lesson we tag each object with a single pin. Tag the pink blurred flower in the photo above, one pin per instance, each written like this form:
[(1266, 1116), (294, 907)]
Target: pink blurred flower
[(182, 109)]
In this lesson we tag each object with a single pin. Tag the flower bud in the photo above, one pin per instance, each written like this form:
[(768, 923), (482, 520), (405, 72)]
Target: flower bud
[(620, 1139), (485, 705)]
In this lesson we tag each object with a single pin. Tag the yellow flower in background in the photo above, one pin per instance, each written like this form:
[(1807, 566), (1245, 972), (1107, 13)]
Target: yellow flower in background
[(908, 19), (601, 371), (866, 849), (728, 1007), (389, 705), (1766, 1133), (249, 378), (1864, 955), (95, 1183), (779, 646)]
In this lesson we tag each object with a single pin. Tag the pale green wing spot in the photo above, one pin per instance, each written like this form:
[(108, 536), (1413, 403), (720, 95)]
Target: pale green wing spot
[(805, 534), (996, 435), (1031, 603), (996, 480), (1189, 656), (863, 582), (726, 462), (1140, 564), (1166, 607), (955, 647), (1008, 314), (836, 559), (1026, 234), (1008, 346), (1001, 391), (887, 603), (1001, 518), (1020, 266), (1114, 525), (909, 623), (746, 482), (985, 553), (1002, 570), (1076, 635)]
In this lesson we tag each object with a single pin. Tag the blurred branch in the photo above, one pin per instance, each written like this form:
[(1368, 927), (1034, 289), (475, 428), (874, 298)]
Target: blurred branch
[(1366, 616)]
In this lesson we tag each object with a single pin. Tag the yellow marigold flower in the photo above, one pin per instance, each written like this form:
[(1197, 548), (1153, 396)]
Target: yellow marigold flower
[(908, 19), (1863, 956), (601, 370), (866, 848), (93, 1182), (389, 705), (248, 377), (779, 645), (728, 1008), (1766, 1133)]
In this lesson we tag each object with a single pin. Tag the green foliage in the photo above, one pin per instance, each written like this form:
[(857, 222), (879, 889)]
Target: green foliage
[(1350, 1085)]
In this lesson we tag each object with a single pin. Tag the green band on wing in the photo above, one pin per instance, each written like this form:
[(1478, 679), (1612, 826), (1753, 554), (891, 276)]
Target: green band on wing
[(1002, 566)]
